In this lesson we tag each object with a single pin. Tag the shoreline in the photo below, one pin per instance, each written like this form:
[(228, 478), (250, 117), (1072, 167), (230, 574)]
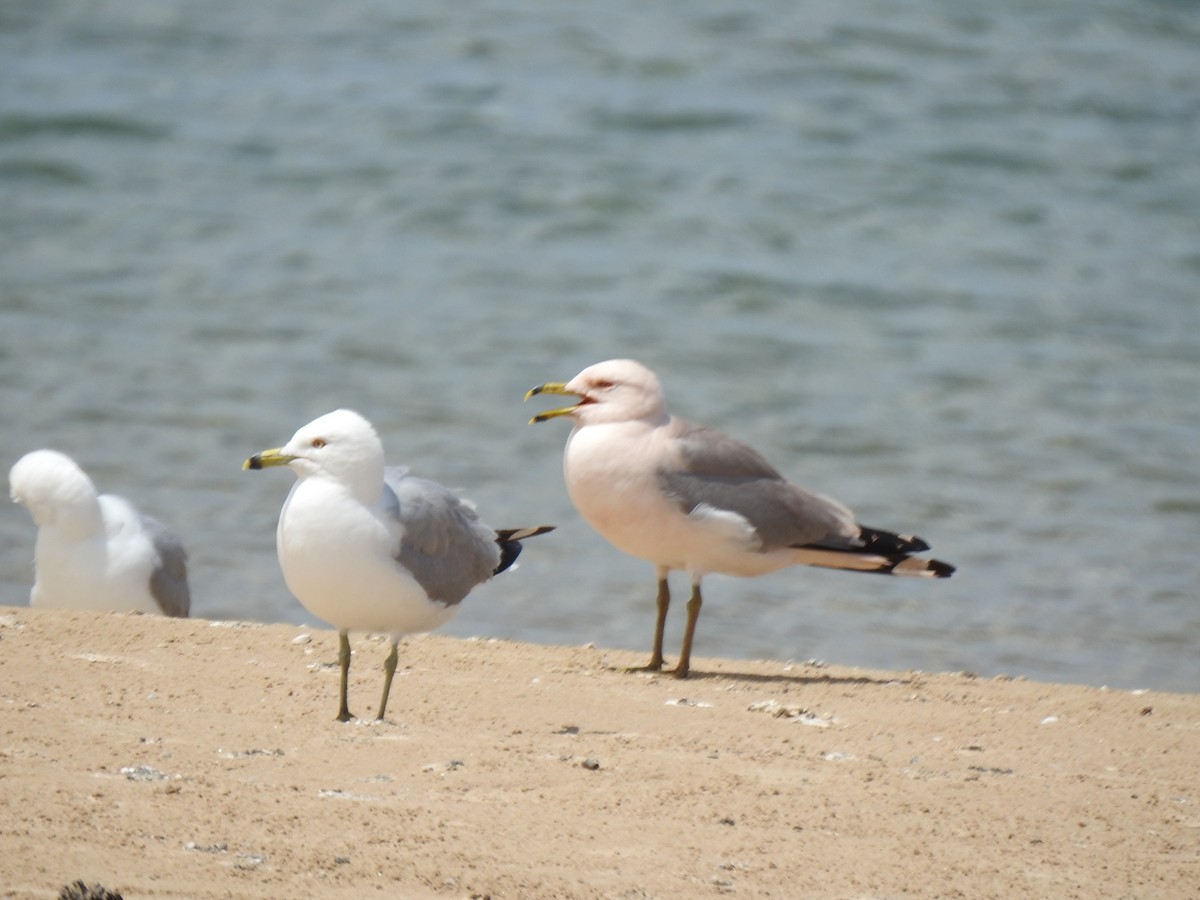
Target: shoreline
[(187, 758)]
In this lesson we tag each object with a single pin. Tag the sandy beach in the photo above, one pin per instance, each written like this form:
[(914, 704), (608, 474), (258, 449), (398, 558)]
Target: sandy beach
[(188, 758)]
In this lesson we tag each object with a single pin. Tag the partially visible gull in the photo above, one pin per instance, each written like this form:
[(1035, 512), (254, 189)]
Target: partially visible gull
[(95, 552), (688, 497), (368, 547)]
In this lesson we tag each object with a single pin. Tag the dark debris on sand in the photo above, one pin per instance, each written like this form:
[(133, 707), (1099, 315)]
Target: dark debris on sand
[(80, 891)]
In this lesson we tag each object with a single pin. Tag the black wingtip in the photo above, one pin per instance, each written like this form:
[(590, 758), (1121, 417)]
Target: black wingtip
[(505, 535), (510, 539), (876, 540), (940, 569), (509, 551)]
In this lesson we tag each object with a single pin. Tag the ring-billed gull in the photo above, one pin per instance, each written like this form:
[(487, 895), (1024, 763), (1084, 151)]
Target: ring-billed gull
[(95, 552), (368, 547), (687, 497)]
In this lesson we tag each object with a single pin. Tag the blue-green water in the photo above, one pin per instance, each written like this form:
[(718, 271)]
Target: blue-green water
[(938, 259)]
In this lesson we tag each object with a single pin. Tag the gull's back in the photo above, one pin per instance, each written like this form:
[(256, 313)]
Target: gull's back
[(168, 578), (445, 547)]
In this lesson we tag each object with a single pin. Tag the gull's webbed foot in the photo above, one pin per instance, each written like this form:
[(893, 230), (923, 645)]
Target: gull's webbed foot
[(655, 665)]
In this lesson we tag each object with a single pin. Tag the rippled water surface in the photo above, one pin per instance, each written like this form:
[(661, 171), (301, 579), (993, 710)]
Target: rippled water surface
[(940, 260)]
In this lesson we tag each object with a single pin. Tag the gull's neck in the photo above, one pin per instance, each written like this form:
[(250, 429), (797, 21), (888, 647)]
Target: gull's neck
[(367, 484), (362, 481), (78, 517), (657, 417)]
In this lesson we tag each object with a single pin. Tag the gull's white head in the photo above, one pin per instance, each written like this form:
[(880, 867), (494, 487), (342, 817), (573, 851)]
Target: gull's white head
[(341, 445), (49, 484), (617, 390)]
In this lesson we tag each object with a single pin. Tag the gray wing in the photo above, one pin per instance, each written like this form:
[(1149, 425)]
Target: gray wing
[(713, 469), (168, 581), (445, 546)]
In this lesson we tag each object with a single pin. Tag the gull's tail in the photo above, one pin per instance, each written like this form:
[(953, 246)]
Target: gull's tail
[(875, 551), (510, 539)]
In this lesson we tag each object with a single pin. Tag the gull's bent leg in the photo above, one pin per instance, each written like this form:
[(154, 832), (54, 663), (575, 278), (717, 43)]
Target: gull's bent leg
[(389, 671), (663, 602), (685, 655), (344, 714)]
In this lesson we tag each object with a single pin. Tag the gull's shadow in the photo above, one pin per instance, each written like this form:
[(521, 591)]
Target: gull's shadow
[(781, 678)]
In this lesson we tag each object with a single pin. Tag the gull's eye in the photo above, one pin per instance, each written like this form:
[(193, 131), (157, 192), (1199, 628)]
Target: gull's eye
[(604, 385), (318, 443)]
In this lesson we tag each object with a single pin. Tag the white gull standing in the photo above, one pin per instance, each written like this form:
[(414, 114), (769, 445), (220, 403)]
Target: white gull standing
[(688, 497), (95, 552), (368, 547)]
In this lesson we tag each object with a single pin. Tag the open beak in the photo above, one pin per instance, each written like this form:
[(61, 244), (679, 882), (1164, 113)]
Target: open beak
[(554, 387), (268, 458)]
